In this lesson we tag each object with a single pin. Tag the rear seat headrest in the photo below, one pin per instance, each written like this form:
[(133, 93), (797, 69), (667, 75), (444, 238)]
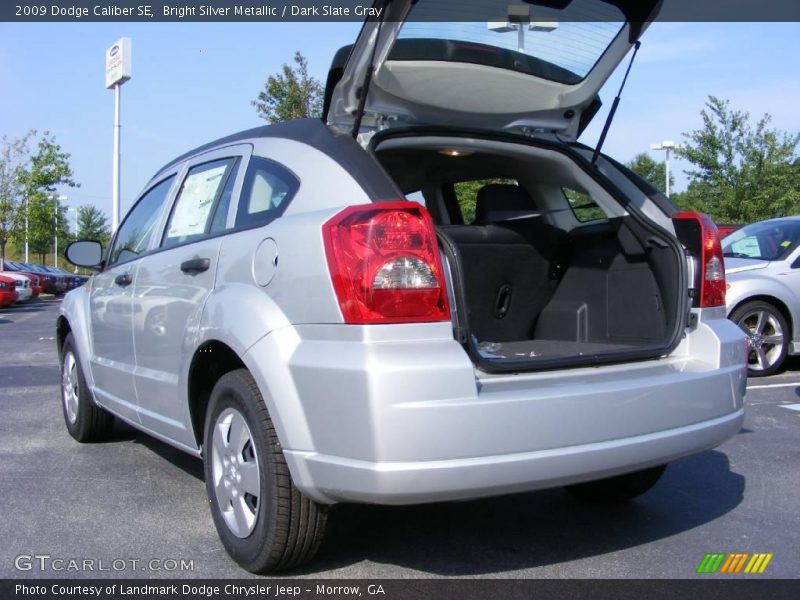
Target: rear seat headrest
[(499, 201)]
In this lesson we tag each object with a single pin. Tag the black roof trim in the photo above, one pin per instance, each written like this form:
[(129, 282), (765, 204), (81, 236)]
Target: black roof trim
[(340, 147)]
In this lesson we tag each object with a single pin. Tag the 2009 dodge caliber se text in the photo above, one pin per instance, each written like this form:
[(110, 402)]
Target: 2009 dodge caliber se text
[(306, 307)]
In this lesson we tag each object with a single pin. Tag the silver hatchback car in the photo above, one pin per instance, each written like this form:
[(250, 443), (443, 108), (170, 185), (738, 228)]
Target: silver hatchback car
[(762, 267), (312, 308)]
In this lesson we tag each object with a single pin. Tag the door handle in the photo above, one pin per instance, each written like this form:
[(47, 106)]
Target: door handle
[(123, 280), (195, 265)]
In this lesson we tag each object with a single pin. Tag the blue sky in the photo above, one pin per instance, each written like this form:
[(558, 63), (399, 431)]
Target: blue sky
[(194, 82)]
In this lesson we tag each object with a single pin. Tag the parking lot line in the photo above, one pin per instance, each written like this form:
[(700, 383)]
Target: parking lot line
[(774, 385), (791, 406)]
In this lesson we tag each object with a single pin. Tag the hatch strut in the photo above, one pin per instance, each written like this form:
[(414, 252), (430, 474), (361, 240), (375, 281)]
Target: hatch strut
[(362, 101), (614, 106)]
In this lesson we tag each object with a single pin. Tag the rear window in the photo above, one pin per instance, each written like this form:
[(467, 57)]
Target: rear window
[(466, 193), (559, 45), (267, 190), (583, 207)]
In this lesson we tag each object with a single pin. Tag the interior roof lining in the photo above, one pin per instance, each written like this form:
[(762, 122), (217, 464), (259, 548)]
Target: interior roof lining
[(568, 174)]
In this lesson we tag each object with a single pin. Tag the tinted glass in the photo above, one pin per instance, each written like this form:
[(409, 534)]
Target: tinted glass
[(583, 207), (267, 190), (768, 240), (221, 212), (560, 45), (192, 211), (136, 230)]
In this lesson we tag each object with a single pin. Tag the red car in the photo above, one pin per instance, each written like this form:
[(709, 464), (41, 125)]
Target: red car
[(726, 229), (8, 291), (43, 281)]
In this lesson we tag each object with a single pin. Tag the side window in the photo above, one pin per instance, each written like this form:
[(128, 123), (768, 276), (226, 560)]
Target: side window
[(416, 197), (197, 197), (268, 188), (583, 207), (221, 211), (134, 234)]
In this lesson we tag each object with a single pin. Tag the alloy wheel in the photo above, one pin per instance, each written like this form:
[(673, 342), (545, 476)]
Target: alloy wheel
[(766, 339), (234, 468)]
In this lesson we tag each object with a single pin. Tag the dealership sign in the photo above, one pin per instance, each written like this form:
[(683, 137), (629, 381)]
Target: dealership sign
[(118, 62)]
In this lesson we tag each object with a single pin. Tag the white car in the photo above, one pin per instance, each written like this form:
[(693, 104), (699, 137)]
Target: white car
[(24, 291), (762, 268)]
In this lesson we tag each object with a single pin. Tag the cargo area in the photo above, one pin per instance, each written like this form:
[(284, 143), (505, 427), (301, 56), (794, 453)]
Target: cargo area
[(554, 269)]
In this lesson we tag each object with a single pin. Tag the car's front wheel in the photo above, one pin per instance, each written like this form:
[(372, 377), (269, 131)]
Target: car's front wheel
[(768, 336), (263, 520), (618, 489), (85, 421)]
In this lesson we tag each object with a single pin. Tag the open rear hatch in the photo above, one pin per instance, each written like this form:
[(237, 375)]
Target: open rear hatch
[(534, 288), (525, 66)]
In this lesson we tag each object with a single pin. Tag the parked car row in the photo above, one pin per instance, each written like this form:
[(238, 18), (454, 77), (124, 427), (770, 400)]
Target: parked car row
[(41, 279)]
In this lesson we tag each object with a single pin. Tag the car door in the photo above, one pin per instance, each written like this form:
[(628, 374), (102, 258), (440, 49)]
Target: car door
[(171, 288), (111, 303)]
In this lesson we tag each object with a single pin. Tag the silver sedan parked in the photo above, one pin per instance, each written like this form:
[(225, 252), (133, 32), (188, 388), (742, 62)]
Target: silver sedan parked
[(762, 268)]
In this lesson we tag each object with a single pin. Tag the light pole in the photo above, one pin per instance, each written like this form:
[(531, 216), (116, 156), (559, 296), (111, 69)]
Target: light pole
[(55, 226), (667, 146), (27, 207), (519, 19)]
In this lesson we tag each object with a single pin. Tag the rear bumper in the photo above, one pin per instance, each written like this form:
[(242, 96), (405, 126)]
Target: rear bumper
[(336, 479), (399, 415)]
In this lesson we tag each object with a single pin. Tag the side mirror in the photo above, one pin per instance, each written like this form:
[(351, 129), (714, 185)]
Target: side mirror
[(85, 253)]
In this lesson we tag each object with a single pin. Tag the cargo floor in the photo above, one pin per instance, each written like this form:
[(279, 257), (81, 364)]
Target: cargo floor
[(546, 348)]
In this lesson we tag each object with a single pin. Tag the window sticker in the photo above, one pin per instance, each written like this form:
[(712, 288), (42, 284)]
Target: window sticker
[(195, 202)]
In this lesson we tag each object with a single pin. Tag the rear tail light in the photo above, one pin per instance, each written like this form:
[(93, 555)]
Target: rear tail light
[(384, 264), (703, 241)]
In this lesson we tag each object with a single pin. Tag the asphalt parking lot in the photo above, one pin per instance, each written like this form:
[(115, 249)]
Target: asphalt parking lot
[(136, 500)]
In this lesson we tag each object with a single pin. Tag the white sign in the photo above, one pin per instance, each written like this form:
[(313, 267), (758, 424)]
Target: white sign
[(118, 62)]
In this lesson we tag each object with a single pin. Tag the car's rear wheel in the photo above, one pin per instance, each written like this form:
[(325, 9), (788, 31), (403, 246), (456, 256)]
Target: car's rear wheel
[(768, 336), (618, 489), (85, 421), (263, 520)]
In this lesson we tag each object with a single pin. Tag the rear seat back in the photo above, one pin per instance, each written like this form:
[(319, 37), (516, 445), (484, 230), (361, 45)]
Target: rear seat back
[(508, 268)]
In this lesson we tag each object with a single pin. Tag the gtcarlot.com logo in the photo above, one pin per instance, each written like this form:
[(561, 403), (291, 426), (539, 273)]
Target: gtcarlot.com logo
[(736, 562), (46, 562)]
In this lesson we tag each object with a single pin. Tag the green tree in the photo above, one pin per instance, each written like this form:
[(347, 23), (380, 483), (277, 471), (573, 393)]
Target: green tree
[(741, 172), (13, 156), (290, 94), (650, 170), (93, 224), (48, 168)]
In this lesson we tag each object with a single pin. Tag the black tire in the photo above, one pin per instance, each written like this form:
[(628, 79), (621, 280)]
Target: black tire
[(618, 489), (85, 421), (764, 358), (288, 527)]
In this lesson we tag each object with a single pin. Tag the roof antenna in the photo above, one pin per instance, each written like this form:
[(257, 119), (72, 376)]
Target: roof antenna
[(362, 101), (614, 106)]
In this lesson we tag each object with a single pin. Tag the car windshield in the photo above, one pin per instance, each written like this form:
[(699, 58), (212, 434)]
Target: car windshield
[(767, 240)]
